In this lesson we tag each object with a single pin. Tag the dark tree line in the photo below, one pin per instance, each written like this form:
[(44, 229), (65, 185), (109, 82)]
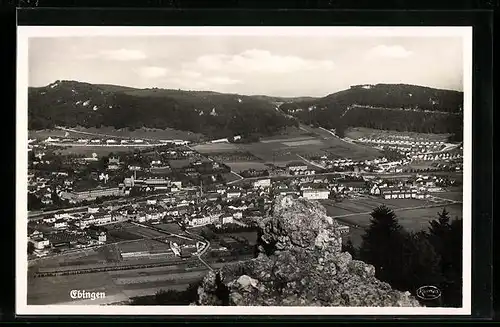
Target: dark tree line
[(191, 111), (444, 109), (388, 95), (410, 260)]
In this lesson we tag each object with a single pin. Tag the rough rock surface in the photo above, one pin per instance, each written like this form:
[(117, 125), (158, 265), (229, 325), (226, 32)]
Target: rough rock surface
[(300, 264)]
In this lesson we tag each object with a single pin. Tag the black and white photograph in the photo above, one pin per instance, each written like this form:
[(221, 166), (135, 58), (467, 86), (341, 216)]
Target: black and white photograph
[(243, 170)]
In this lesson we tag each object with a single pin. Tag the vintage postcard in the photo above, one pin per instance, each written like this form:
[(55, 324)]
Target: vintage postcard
[(244, 170)]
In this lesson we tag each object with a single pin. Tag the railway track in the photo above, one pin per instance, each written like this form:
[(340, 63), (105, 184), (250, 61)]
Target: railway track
[(195, 263), (78, 271)]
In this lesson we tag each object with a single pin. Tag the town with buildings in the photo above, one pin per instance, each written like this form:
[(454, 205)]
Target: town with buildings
[(73, 198)]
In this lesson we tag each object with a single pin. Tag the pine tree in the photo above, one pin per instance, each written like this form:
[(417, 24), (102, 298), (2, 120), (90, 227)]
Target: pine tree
[(441, 226), (439, 232), (382, 245), (446, 237), (421, 263), (452, 286)]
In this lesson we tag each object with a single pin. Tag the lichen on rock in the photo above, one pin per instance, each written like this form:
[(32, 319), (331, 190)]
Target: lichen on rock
[(300, 263)]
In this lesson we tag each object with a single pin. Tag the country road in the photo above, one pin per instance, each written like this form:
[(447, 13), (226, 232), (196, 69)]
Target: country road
[(310, 162)]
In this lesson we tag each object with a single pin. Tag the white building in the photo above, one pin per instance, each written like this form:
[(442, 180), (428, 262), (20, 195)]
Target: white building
[(262, 183), (199, 221), (40, 243), (316, 194), (60, 224), (233, 194), (49, 220), (94, 219), (221, 141)]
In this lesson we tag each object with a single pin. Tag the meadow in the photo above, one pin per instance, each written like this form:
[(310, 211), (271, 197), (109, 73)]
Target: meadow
[(287, 146), (120, 285), (251, 237), (410, 214), (242, 166), (208, 148), (99, 150)]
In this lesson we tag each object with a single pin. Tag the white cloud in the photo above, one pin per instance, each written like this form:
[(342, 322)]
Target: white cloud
[(124, 54), (251, 61), (189, 74), (390, 51), (222, 80), (153, 71), (117, 54)]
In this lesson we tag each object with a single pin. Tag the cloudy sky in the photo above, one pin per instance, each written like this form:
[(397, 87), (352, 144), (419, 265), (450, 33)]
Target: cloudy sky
[(281, 66)]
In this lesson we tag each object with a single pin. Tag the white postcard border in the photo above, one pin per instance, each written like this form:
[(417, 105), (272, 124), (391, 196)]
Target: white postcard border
[(25, 32)]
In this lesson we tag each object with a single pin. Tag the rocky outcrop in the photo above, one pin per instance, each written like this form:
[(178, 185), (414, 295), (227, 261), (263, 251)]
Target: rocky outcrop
[(300, 263)]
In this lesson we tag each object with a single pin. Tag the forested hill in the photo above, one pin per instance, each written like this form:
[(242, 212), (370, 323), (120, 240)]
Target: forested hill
[(398, 107), (72, 103)]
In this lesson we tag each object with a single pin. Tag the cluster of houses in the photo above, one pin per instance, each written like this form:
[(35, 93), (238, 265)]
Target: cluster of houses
[(347, 164), (92, 194), (155, 176), (404, 140), (299, 169), (62, 237), (420, 187), (413, 149), (444, 156)]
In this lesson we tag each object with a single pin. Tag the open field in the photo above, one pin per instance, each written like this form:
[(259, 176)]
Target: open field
[(99, 150), (359, 132), (251, 237), (51, 290), (45, 133), (284, 148), (117, 235), (451, 195), (312, 142), (357, 213), (117, 285), (282, 139), (131, 229), (216, 147), (230, 177), (143, 245), (170, 228), (303, 142), (242, 166), (80, 258), (287, 133)]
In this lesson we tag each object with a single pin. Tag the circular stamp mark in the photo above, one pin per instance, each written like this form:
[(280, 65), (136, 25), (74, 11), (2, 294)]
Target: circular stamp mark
[(428, 292)]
